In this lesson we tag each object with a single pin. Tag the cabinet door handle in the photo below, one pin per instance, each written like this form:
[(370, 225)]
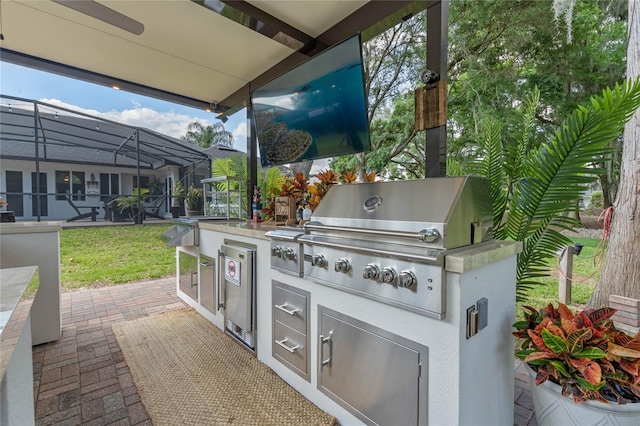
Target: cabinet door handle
[(206, 264), (284, 309), (194, 274), (221, 289), (324, 340), (282, 342)]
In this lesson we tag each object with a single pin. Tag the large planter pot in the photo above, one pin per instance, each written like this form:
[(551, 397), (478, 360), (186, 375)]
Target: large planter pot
[(175, 212), (553, 409)]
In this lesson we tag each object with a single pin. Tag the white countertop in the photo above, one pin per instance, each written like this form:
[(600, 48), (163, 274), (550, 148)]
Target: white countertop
[(13, 292), (246, 228), (30, 227)]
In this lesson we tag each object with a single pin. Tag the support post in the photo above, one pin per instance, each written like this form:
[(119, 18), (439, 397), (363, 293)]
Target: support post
[(565, 275), (252, 157), (437, 46)]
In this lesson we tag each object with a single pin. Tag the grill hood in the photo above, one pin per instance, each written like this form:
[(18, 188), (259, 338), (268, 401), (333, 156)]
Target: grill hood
[(447, 212)]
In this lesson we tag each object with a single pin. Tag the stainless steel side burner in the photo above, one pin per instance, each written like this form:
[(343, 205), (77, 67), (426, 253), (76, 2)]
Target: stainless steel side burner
[(388, 241), (286, 250)]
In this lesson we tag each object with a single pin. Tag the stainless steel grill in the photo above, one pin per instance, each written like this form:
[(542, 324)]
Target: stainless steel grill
[(388, 241)]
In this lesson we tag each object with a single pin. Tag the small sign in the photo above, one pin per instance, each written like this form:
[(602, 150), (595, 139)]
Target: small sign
[(232, 270)]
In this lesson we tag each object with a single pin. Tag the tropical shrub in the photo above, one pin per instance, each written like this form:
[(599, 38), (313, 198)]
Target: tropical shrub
[(583, 353), (533, 187)]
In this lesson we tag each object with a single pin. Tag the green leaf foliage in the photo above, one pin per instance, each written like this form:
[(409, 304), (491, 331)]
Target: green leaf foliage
[(556, 343), (533, 187), (591, 353)]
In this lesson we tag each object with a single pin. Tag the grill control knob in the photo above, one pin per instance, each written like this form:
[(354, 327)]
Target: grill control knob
[(318, 260), (289, 254), (371, 272), (342, 265), (388, 275), (407, 279), (276, 251)]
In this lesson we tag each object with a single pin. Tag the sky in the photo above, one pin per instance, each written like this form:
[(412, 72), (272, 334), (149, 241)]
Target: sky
[(117, 105)]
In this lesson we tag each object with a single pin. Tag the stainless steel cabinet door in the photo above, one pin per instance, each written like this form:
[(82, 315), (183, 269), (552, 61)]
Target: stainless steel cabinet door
[(188, 268), (370, 372), (208, 283), (236, 285)]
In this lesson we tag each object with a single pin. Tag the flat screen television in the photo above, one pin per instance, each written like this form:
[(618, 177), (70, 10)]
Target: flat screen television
[(316, 110)]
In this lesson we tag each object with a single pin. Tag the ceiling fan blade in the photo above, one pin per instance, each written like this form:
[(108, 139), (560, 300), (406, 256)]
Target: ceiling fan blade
[(104, 14)]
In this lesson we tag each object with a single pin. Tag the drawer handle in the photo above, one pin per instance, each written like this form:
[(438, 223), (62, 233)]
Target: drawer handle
[(194, 274), (282, 342), (284, 309), (324, 340)]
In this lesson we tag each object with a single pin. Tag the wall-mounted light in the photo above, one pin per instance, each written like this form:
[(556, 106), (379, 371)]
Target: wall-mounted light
[(66, 179), (97, 126), (114, 87)]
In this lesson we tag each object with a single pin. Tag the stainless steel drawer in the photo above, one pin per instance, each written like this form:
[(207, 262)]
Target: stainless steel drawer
[(290, 348), (208, 284), (290, 307)]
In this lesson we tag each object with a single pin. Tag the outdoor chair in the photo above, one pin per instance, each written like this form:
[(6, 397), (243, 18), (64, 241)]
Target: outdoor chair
[(79, 215)]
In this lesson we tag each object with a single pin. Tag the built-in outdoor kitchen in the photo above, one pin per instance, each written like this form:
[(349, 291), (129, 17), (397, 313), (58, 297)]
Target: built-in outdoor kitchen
[(388, 302), (385, 308)]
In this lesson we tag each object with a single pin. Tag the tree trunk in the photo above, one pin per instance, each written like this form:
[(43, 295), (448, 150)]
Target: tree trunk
[(606, 190), (621, 270)]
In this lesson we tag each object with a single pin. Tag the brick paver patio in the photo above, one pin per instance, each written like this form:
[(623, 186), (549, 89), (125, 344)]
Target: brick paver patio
[(82, 379)]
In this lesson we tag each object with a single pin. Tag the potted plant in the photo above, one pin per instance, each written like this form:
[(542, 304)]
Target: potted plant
[(128, 204), (177, 197), (580, 365), (195, 201)]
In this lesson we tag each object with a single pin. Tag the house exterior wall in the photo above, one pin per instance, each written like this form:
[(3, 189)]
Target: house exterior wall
[(59, 209)]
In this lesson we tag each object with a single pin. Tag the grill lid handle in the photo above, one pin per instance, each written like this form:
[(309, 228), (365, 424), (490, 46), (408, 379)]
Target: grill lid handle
[(430, 235)]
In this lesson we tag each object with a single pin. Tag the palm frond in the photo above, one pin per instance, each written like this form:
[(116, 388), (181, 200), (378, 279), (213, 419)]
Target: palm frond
[(559, 172), (542, 184)]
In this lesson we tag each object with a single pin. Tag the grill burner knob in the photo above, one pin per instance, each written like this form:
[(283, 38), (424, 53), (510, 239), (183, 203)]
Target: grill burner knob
[(388, 275), (407, 279), (342, 265), (276, 251), (318, 260), (288, 254), (371, 272)]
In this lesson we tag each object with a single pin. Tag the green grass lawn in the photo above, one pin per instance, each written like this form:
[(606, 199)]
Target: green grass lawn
[(112, 255), (583, 267)]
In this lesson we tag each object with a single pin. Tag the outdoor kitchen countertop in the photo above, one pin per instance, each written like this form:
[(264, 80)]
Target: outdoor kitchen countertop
[(246, 228), (13, 293), (30, 227), (482, 254)]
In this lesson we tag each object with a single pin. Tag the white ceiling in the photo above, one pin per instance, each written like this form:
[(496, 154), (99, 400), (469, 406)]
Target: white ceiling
[(187, 53)]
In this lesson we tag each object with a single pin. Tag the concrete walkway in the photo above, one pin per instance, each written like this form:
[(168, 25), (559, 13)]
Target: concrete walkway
[(83, 379)]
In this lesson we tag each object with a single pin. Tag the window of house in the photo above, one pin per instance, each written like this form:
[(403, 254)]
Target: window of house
[(144, 182), (73, 182), (109, 185)]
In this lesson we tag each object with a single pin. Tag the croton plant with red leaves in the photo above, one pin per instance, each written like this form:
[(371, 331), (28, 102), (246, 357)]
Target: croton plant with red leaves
[(584, 353)]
